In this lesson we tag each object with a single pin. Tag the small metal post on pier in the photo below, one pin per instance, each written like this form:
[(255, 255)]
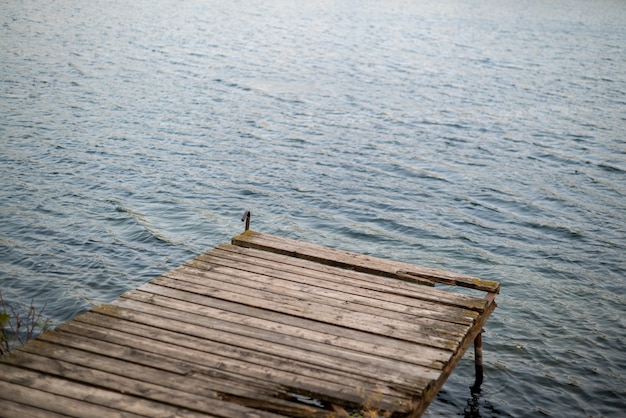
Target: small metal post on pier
[(246, 217)]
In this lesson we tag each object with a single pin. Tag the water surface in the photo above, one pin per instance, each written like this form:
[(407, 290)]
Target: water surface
[(484, 137)]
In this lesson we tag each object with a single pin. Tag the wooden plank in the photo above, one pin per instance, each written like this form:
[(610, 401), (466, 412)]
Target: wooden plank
[(132, 364), (357, 365), (315, 308), (260, 398), (103, 372), (327, 286), (203, 363), (10, 409), (203, 352), (351, 280), (57, 404), (432, 391), (359, 262), (272, 328), (258, 287), (317, 331), (198, 339), (333, 338), (92, 394), (289, 345), (246, 391), (301, 385), (221, 379), (387, 285)]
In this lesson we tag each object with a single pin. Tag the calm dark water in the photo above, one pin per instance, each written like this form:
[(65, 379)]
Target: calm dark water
[(484, 137)]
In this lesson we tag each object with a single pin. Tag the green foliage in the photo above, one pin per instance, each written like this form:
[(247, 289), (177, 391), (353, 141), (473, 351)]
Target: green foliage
[(18, 325)]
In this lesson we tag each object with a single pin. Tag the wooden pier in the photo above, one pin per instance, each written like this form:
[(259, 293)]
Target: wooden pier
[(253, 329)]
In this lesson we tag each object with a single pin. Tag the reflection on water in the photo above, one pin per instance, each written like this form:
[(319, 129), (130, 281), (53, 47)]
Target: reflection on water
[(479, 137)]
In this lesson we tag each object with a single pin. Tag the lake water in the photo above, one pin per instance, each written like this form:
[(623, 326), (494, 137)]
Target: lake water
[(484, 137)]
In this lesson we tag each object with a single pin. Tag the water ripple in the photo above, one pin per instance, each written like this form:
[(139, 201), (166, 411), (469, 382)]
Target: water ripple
[(482, 139)]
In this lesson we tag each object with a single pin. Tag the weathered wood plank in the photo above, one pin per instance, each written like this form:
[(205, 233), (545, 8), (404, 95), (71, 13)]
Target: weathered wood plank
[(57, 404), (222, 378), (92, 394), (343, 319), (314, 308), (302, 385), (105, 372), (197, 363), (135, 370), (203, 354), (10, 409), (287, 343), (351, 281), (432, 391), (309, 329), (324, 286), (233, 284), (388, 285), (358, 262), (333, 338)]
